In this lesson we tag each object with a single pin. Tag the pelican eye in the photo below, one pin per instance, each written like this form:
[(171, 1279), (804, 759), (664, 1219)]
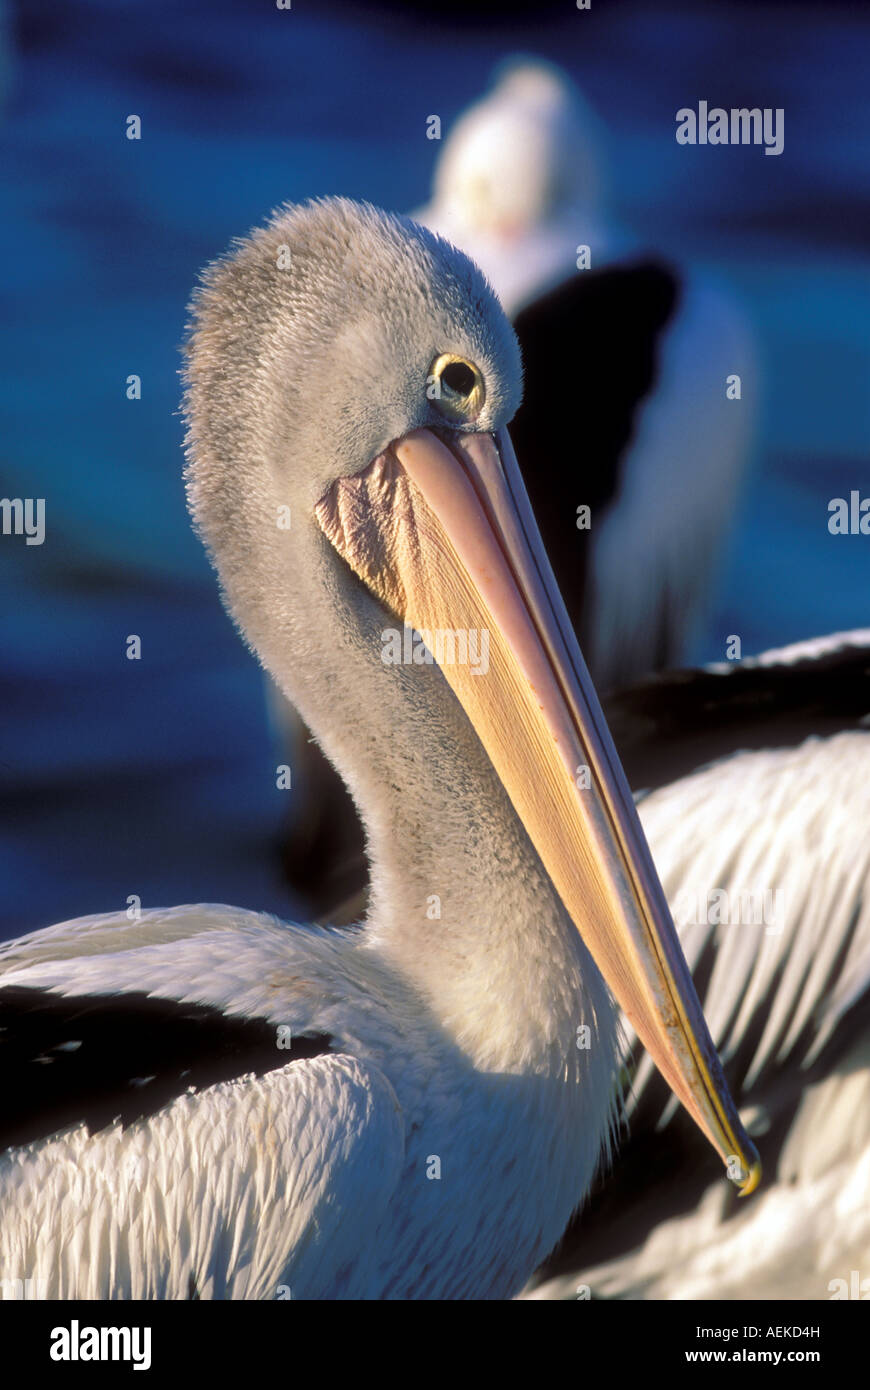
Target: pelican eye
[(456, 388)]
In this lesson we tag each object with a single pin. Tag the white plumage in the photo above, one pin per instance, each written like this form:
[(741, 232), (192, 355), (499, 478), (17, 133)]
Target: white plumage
[(287, 1179)]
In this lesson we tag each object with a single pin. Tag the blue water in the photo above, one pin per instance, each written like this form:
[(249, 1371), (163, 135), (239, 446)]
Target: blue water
[(156, 777)]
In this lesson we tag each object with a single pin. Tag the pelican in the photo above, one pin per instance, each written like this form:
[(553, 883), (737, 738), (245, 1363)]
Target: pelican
[(206, 1102), (785, 985), (644, 349)]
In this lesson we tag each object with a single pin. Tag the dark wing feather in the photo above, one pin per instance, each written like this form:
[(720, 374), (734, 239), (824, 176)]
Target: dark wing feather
[(672, 724), (590, 352), (95, 1059)]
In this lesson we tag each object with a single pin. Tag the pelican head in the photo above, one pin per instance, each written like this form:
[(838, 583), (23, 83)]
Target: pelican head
[(520, 182), (522, 155), (349, 382)]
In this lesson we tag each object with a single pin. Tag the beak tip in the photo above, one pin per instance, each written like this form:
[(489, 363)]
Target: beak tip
[(744, 1170)]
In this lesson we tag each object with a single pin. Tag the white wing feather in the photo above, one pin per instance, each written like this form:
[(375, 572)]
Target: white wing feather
[(230, 1192), (795, 821)]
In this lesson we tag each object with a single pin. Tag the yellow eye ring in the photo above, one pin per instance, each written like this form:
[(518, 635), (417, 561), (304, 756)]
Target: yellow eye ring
[(455, 387)]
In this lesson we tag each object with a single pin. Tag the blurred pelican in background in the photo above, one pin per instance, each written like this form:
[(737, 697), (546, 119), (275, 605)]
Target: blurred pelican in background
[(520, 182)]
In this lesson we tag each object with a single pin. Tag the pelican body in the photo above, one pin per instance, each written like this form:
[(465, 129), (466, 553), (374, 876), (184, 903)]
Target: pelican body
[(207, 1102)]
